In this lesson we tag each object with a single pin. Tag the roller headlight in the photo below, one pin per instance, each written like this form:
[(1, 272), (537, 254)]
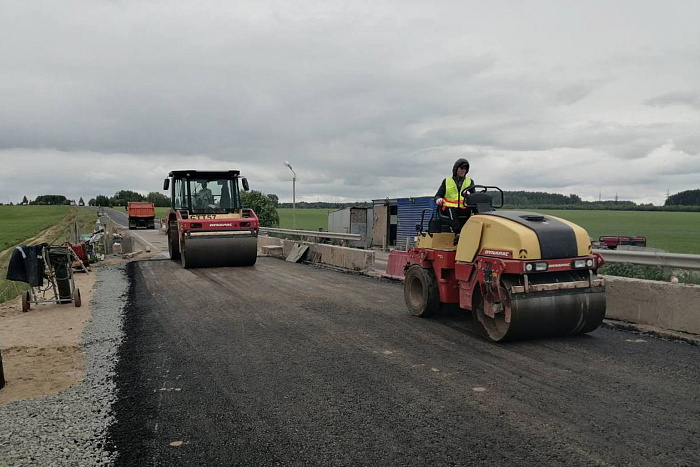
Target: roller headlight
[(579, 263), (540, 267)]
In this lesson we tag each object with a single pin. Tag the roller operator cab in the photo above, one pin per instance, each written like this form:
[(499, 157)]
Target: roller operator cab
[(207, 225), (523, 275)]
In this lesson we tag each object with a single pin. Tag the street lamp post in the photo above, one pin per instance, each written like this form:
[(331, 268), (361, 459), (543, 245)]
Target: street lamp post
[(294, 195)]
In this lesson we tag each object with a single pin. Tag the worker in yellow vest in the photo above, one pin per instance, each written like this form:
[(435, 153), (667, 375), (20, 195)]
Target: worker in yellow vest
[(449, 197)]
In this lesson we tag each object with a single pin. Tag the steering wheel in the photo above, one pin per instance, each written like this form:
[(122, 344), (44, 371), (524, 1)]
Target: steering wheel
[(482, 188)]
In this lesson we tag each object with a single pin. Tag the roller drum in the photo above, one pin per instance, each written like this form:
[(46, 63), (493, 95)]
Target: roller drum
[(552, 314), (542, 314), (219, 251)]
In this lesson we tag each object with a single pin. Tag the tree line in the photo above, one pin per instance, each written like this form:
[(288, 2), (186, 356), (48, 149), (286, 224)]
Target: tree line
[(688, 200), (684, 198), (123, 197)]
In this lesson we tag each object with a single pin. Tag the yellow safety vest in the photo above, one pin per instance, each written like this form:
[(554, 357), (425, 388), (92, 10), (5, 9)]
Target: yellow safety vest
[(453, 198)]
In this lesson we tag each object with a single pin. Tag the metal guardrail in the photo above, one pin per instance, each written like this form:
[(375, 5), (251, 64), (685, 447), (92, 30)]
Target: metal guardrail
[(646, 258), (312, 233), (651, 258)]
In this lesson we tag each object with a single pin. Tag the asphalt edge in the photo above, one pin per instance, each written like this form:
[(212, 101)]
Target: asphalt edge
[(647, 330)]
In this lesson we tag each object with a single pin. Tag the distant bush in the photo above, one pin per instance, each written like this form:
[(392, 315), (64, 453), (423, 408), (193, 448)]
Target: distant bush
[(263, 206)]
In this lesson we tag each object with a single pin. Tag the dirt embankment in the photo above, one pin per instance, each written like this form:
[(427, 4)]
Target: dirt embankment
[(41, 348)]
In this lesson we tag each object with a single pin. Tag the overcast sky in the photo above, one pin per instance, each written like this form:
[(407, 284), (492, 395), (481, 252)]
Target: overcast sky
[(366, 99)]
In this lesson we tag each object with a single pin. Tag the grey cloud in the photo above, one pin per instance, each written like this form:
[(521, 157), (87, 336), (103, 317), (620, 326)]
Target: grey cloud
[(687, 98), (366, 100), (573, 93)]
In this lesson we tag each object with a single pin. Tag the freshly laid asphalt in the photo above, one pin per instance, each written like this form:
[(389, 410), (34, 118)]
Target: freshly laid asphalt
[(290, 364)]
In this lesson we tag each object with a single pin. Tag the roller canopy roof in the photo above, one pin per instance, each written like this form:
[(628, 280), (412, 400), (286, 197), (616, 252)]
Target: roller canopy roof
[(206, 174)]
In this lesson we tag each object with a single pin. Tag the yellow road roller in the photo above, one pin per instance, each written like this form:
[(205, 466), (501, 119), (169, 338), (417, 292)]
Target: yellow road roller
[(523, 275)]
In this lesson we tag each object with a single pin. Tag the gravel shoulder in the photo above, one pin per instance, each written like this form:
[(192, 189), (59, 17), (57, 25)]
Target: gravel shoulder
[(67, 427)]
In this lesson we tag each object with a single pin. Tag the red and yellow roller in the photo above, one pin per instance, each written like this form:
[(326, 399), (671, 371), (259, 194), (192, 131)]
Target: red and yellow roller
[(523, 275), (207, 226)]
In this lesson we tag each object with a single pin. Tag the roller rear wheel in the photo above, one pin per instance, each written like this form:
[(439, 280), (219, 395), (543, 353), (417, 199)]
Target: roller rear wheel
[(421, 291)]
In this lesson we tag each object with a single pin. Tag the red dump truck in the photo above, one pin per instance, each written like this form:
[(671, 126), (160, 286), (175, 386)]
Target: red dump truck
[(141, 214)]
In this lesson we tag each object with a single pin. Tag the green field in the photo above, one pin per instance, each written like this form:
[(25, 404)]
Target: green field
[(20, 223), (676, 232), (307, 219)]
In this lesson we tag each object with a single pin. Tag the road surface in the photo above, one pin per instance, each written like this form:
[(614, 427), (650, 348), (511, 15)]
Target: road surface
[(153, 238), (290, 364)]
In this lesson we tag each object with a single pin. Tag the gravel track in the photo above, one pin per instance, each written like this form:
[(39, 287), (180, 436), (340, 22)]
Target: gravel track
[(69, 428)]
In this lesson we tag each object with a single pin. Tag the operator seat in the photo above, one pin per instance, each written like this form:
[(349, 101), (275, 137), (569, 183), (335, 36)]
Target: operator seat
[(480, 202)]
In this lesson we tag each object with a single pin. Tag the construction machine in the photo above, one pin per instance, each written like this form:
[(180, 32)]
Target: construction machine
[(141, 214), (206, 224), (610, 242), (522, 275)]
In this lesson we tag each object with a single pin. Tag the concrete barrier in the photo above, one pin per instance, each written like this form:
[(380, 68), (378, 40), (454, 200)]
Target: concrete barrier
[(338, 256), (674, 307)]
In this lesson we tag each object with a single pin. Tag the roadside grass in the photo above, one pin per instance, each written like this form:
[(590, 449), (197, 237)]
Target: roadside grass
[(51, 224), (160, 212)]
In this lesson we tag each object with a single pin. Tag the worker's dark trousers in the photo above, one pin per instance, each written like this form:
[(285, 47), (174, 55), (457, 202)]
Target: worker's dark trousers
[(458, 217)]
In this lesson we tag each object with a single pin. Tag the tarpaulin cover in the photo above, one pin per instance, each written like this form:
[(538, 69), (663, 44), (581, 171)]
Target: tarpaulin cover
[(26, 265)]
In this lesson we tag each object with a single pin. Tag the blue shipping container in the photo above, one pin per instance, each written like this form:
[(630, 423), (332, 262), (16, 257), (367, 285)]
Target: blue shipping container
[(409, 213)]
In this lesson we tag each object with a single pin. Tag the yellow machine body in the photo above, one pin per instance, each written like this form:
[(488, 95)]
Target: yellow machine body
[(437, 241), (484, 232)]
